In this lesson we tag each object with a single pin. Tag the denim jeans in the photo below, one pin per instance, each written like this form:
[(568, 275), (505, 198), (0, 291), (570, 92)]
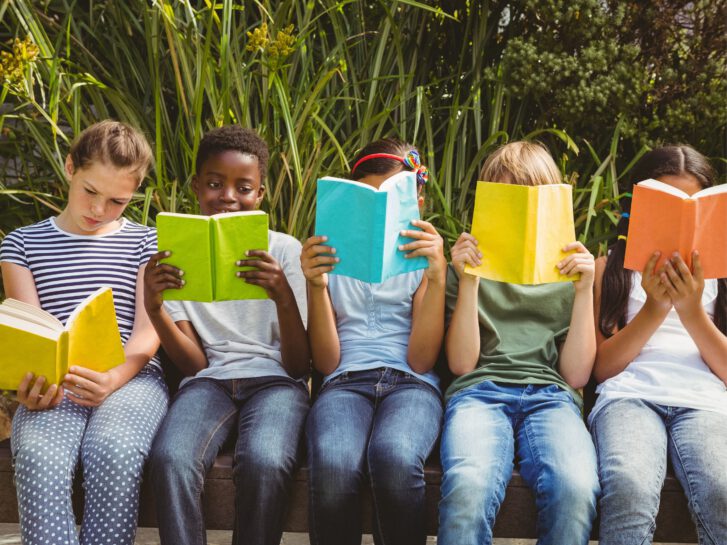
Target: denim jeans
[(485, 427), (633, 439), (379, 425), (268, 415)]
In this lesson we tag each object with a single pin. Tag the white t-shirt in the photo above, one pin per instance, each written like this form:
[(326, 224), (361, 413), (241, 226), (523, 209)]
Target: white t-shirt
[(242, 338), (669, 370)]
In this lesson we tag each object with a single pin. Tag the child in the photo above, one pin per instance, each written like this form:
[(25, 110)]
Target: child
[(105, 420), (662, 365), (518, 352), (378, 412), (245, 363)]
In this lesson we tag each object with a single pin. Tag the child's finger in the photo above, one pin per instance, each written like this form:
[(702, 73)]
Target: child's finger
[(577, 246), (415, 245), (34, 393), (157, 257), (23, 386), (697, 266), (45, 401), (78, 372), (681, 267), (322, 260), (260, 255), (419, 235), (650, 267), (318, 249), (676, 279), (314, 240)]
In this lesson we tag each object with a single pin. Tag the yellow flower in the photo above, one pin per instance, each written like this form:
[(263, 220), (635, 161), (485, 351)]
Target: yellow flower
[(13, 65), (283, 44), (258, 39)]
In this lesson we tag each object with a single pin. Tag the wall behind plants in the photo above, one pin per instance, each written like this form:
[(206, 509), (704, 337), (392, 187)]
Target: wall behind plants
[(320, 78)]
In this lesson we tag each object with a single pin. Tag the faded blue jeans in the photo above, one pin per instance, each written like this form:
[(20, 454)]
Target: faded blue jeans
[(267, 415), (633, 439), (485, 427), (376, 427)]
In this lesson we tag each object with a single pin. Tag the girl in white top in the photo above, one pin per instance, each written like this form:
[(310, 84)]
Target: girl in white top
[(662, 368)]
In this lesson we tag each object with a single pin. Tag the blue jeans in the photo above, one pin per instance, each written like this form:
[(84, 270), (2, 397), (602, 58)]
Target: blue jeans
[(381, 424), (485, 426), (633, 439), (267, 414)]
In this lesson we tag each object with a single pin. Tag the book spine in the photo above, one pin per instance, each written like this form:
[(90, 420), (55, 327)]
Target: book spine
[(214, 252), (62, 351), (688, 231), (378, 240), (529, 270)]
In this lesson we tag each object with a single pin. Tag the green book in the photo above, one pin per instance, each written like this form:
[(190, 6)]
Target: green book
[(206, 248)]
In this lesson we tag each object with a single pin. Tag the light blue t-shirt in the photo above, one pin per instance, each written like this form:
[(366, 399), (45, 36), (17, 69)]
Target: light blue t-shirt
[(374, 323)]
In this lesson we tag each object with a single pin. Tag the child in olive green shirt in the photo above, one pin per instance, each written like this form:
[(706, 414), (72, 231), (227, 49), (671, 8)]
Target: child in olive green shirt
[(519, 353)]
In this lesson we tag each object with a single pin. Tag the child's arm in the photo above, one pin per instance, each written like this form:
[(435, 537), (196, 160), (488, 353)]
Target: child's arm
[(685, 290), (179, 339), (578, 352), (19, 284), (616, 352), (462, 342), (90, 388), (269, 275), (427, 328), (322, 332)]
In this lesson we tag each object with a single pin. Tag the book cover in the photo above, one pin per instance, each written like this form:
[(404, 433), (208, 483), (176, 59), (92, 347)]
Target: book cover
[(364, 224), (666, 219), (521, 231), (42, 345), (206, 248)]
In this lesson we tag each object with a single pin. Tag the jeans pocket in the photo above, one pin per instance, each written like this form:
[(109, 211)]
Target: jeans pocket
[(343, 377)]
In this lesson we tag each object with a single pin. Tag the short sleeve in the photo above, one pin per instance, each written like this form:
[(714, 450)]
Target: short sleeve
[(290, 262), (12, 249), (149, 248), (176, 311)]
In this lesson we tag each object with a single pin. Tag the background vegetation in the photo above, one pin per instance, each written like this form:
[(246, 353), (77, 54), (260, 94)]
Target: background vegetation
[(599, 81)]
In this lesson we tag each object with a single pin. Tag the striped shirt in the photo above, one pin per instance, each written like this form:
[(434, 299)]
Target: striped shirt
[(67, 267)]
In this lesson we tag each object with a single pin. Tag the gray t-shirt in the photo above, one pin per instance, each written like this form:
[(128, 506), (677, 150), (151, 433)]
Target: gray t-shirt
[(242, 338)]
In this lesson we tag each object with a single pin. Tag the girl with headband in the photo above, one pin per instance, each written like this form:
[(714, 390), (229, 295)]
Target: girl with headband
[(377, 416)]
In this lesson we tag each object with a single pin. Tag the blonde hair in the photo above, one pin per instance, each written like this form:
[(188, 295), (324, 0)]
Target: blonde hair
[(521, 163), (112, 143)]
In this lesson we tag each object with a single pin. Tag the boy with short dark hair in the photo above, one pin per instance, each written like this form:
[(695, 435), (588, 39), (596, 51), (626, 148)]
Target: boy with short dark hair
[(244, 361)]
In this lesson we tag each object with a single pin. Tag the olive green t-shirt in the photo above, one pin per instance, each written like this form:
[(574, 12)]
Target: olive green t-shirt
[(521, 329)]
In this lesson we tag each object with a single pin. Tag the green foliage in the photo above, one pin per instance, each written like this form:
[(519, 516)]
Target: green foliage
[(319, 79)]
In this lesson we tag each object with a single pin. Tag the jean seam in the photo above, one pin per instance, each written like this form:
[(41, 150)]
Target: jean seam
[(701, 526)]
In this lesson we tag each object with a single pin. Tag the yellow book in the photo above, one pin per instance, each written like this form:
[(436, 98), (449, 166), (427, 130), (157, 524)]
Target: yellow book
[(521, 231), (32, 339)]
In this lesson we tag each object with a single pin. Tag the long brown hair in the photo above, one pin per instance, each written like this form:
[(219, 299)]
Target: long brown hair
[(676, 160)]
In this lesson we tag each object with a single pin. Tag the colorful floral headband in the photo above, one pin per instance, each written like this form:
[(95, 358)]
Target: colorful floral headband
[(410, 160)]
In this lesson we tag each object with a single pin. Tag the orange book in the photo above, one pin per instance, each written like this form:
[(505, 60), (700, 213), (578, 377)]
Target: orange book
[(666, 219)]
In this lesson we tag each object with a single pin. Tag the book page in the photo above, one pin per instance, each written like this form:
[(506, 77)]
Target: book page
[(93, 333), (500, 224), (234, 234), (346, 214), (31, 313), (666, 188), (655, 224), (710, 238), (188, 237), (555, 229), (401, 209)]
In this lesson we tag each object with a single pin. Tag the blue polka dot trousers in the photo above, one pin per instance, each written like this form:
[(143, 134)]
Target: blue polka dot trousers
[(111, 442)]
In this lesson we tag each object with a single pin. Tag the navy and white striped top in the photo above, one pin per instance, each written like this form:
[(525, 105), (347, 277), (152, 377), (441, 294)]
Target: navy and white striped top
[(67, 267)]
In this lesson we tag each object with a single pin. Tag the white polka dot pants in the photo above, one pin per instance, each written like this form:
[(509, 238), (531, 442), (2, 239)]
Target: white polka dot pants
[(112, 442)]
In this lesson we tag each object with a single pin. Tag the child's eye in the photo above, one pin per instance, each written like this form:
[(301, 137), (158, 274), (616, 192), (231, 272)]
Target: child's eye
[(214, 185), (244, 189), (90, 192), (120, 203)]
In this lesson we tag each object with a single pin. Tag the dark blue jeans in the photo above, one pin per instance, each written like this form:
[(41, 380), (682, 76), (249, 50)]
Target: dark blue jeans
[(267, 414), (374, 427)]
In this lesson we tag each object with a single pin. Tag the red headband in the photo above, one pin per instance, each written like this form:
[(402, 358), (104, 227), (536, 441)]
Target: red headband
[(411, 160)]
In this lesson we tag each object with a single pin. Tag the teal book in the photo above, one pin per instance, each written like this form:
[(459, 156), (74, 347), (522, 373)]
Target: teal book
[(206, 248), (364, 224)]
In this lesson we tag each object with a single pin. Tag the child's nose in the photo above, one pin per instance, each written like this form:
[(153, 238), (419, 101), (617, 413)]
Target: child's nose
[(228, 194)]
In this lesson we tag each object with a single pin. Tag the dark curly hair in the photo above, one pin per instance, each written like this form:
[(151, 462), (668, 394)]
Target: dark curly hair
[(233, 138)]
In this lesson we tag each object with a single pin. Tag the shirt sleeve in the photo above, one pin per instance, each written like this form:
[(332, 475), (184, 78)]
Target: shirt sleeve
[(149, 248), (12, 249), (176, 311), (290, 262)]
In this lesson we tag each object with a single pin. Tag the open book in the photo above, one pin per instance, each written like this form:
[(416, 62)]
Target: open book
[(666, 219), (364, 224), (34, 340), (521, 231), (206, 248)]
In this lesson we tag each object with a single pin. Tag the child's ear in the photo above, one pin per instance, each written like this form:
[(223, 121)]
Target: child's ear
[(260, 195), (195, 184), (420, 201), (68, 167)]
